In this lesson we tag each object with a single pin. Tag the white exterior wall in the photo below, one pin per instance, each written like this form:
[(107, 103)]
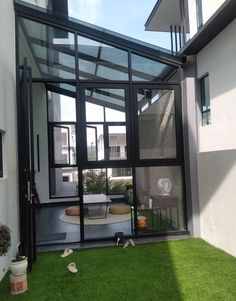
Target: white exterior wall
[(217, 143), (217, 195), (209, 7), (218, 59), (9, 183)]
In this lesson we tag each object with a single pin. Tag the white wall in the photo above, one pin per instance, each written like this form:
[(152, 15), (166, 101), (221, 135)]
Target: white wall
[(8, 184), (209, 7), (217, 143), (217, 193), (218, 59)]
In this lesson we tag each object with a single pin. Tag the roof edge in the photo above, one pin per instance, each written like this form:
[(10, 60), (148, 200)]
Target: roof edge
[(155, 8)]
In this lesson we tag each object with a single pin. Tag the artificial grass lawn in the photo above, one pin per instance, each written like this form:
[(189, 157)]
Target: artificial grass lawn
[(172, 270)]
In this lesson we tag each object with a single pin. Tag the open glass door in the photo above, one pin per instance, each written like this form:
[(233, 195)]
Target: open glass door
[(27, 188), (105, 174)]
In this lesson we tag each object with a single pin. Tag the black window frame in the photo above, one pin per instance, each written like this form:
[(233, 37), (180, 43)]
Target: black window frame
[(178, 126), (107, 162), (204, 97), (199, 16)]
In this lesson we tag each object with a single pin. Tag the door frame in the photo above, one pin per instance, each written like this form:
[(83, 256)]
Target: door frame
[(27, 189)]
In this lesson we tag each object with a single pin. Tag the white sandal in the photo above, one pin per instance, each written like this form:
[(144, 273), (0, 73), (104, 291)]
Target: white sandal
[(132, 242), (72, 267), (67, 252)]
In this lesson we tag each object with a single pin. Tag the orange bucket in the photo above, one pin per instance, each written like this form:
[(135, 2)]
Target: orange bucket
[(142, 222)]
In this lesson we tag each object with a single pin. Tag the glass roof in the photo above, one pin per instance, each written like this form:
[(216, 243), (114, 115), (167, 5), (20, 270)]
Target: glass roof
[(54, 53), (45, 6)]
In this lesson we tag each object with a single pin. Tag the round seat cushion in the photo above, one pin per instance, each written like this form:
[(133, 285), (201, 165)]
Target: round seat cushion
[(120, 209), (73, 211)]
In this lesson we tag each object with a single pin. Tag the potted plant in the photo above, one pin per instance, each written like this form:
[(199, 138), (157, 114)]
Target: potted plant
[(19, 265), (5, 239)]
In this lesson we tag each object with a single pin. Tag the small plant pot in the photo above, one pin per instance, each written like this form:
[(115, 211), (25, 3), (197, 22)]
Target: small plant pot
[(19, 266)]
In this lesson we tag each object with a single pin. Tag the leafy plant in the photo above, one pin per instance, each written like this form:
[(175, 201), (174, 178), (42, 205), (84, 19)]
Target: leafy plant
[(5, 239), (18, 258), (118, 186), (95, 181)]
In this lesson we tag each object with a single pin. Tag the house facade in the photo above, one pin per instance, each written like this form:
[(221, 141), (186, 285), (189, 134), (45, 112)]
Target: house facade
[(81, 104), (204, 31)]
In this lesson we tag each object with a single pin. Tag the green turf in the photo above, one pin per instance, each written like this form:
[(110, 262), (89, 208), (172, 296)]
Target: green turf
[(175, 270)]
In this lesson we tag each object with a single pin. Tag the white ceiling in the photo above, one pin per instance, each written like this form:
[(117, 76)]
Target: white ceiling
[(166, 14)]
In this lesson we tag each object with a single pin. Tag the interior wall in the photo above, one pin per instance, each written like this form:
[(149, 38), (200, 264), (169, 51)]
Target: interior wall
[(9, 211)]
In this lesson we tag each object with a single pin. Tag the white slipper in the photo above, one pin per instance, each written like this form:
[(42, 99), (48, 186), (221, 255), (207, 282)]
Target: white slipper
[(67, 252), (132, 242), (126, 244), (72, 267)]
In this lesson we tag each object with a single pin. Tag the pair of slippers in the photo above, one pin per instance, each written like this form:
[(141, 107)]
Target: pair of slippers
[(72, 266), (129, 242)]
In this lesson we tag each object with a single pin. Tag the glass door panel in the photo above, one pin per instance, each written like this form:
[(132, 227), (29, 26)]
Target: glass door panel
[(104, 189), (159, 199)]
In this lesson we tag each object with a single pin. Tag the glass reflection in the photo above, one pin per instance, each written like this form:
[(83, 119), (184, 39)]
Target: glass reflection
[(51, 48), (101, 61), (156, 122)]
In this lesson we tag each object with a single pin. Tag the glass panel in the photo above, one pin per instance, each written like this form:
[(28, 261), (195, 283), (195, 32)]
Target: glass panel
[(205, 100), (159, 199), (63, 182), (62, 88), (94, 181), (95, 142), (118, 180), (92, 138), (94, 113), (110, 100), (98, 219), (101, 61), (156, 120), (61, 107), (144, 69), (114, 115), (117, 142), (105, 105), (64, 144), (50, 50), (105, 98)]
